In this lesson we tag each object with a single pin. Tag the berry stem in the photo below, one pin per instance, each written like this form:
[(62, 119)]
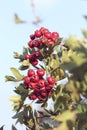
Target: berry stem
[(54, 70)]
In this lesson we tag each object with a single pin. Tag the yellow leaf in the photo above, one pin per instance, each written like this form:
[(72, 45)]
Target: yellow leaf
[(18, 20), (62, 126), (15, 98), (16, 73), (25, 63), (65, 116)]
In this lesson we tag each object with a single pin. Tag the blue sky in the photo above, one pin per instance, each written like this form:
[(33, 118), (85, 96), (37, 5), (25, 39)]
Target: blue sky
[(64, 16)]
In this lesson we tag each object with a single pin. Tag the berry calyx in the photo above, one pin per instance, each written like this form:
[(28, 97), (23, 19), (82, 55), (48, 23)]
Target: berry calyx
[(41, 83)]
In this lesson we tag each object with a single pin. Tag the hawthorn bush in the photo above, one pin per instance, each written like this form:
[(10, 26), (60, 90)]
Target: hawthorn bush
[(46, 83)]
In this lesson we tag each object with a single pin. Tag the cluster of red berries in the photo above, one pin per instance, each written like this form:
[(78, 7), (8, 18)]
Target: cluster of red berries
[(38, 40), (41, 87)]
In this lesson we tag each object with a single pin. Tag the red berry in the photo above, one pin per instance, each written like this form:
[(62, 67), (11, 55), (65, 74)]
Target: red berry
[(43, 40), (32, 96), (51, 80), (30, 44), (41, 29), (37, 54), (27, 56), (38, 33), (44, 94), (48, 35), (31, 72), (50, 93), (27, 79), (35, 78), (45, 30), (41, 83), (49, 41), (40, 72), (55, 34), (32, 36), (32, 85), (40, 97), (36, 43), (48, 87), (34, 62)]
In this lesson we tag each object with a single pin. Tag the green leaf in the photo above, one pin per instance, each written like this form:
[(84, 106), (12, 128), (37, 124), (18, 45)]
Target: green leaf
[(25, 51), (16, 73), (25, 117), (21, 91), (10, 78), (18, 56), (82, 106), (23, 67), (57, 103), (84, 33)]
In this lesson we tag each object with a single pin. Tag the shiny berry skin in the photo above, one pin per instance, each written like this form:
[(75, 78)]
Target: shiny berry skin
[(49, 41), (45, 30), (38, 33), (48, 87), (55, 34), (27, 56), (31, 72), (51, 80), (40, 97), (34, 62), (44, 94), (36, 43), (30, 44), (40, 72), (41, 83), (32, 85), (48, 35), (37, 54), (32, 36), (32, 96), (50, 93), (35, 78), (27, 79)]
